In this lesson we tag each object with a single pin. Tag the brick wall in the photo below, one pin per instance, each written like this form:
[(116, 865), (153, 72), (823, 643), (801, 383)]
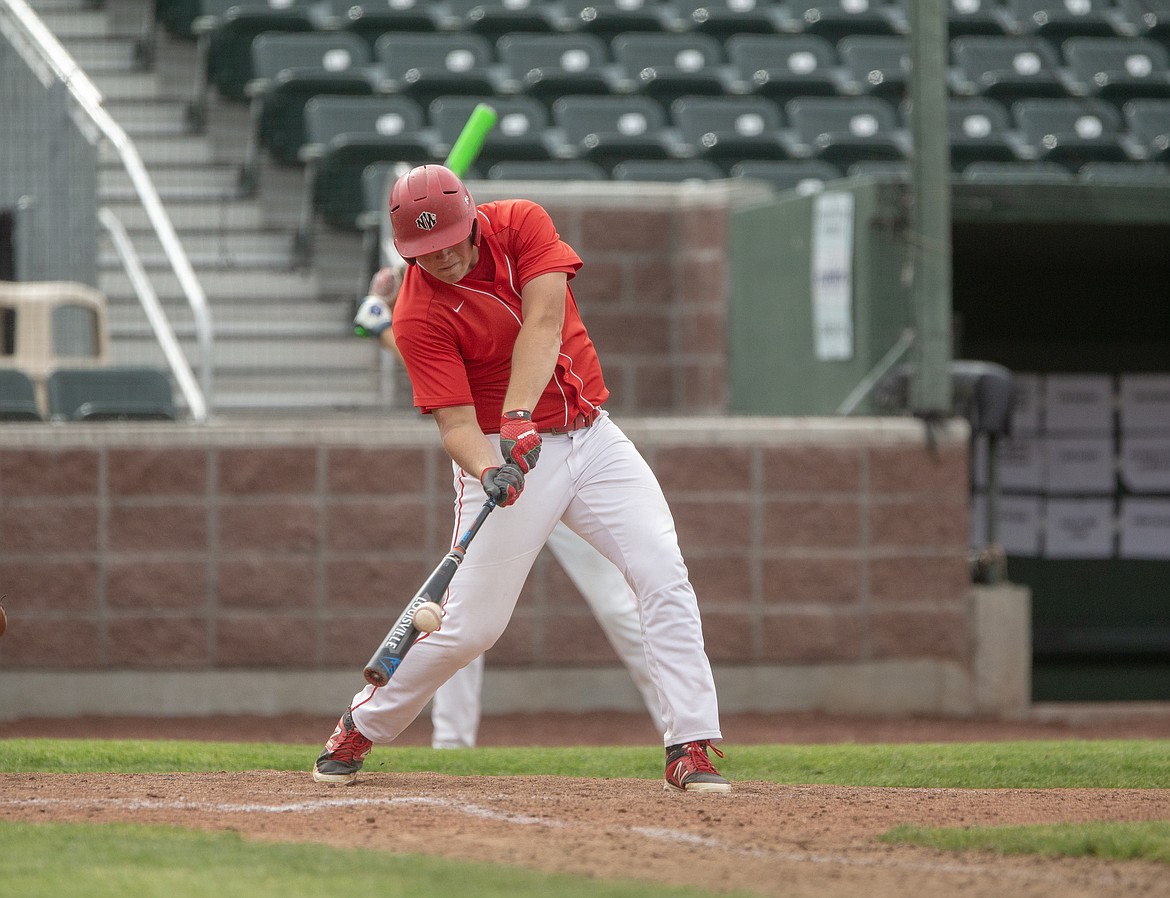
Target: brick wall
[(158, 548)]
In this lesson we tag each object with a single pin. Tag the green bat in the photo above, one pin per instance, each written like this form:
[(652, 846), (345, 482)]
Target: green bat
[(470, 140)]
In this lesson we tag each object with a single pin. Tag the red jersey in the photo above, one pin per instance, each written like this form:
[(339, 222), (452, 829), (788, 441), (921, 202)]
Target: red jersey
[(457, 339)]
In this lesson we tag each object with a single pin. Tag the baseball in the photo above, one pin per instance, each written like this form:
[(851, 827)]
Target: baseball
[(427, 617)]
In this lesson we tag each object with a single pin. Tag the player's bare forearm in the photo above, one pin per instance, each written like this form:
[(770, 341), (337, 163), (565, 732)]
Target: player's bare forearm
[(464, 441), (539, 342)]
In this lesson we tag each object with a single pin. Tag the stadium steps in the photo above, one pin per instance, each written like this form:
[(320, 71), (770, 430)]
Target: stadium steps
[(283, 341)]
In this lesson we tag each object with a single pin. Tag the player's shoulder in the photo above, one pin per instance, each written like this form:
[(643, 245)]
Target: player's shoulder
[(506, 214)]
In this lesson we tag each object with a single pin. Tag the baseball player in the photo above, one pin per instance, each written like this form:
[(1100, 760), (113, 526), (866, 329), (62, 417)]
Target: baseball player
[(456, 707), (496, 352)]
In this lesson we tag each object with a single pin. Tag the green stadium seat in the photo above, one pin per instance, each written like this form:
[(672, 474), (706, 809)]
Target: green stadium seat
[(607, 130), (674, 171), (547, 66), (781, 67), (844, 130), (426, 66), (723, 19), (1148, 122), (1119, 69), (1018, 172), (1145, 18), (667, 66), (803, 176), (730, 128), (370, 19), (1005, 68), (1125, 173), (290, 70), (555, 170), (521, 131), (110, 394), (1059, 19), (876, 65), (979, 130), (18, 400), (609, 18), (837, 19), (977, 17), (1071, 132), (495, 18)]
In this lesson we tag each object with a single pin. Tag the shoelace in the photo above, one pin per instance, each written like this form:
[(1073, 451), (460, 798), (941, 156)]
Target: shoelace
[(696, 751), (351, 745)]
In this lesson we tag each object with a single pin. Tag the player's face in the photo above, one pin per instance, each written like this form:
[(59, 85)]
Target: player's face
[(452, 264)]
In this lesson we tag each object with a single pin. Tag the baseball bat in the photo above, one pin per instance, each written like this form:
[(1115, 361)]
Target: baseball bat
[(402, 635)]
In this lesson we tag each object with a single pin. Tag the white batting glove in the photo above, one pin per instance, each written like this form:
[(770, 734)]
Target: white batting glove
[(373, 317)]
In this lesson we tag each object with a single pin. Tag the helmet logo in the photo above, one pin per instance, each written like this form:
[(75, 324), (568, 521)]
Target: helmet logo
[(426, 220)]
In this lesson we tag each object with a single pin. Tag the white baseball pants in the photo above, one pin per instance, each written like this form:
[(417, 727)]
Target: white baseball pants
[(596, 481)]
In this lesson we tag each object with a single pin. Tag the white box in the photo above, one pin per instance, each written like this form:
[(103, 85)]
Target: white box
[(1078, 528), (1080, 465), (1145, 464), (1078, 403), (1144, 403), (1145, 528)]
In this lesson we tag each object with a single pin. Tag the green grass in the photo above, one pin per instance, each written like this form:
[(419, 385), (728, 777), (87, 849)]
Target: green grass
[(48, 860), (1148, 841), (979, 765)]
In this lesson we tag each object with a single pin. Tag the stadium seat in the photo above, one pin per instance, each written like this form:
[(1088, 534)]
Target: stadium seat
[(607, 130), (837, 19), (880, 168), (1119, 69), (1148, 122), (875, 65), (805, 176), (110, 394), (495, 18), (666, 66), (977, 17), (521, 131), (426, 66), (556, 170), (1060, 19), (675, 171), (1145, 18), (784, 66), (547, 66), (1071, 132), (370, 19), (290, 69), (1125, 173), (844, 130), (344, 135), (18, 400), (1018, 172), (979, 130), (609, 18), (724, 18), (730, 128), (225, 31), (1005, 68)]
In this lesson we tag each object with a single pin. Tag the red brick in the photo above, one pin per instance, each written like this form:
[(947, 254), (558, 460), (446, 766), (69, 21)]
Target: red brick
[(386, 524), (157, 584), (159, 643), (812, 581), (828, 523), (924, 524), (288, 583), (703, 388), (945, 580), (653, 282), (920, 634), (703, 282), (717, 524), (729, 636), (640, 331), (387, 471), (653, 387), (705, 469), (629, 230), (284, 526), (145, 528), (49, 529), (382, 585), (40, 644), (600, 283), (268, 470), (157, 472), (48, 472), (521, 645), (267, 641), (703, 332), (34, 586), (812, 469), (575, 639), (812, 637), (349, 641), (916, 469), (701, 228), (720, 581)]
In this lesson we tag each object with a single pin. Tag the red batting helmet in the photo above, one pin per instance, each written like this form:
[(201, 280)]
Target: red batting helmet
[(430, 209)]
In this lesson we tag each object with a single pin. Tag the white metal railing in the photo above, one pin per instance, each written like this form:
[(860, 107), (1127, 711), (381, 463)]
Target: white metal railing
[(51, 55), (155, 314)]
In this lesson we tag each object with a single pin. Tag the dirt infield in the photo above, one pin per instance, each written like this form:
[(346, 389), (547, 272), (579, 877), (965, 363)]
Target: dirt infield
[(767, 839)]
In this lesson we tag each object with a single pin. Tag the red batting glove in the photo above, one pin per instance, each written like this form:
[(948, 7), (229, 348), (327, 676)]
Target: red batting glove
[(519, 441)]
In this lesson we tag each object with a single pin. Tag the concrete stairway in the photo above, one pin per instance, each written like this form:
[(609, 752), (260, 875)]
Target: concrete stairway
[(283, 341)]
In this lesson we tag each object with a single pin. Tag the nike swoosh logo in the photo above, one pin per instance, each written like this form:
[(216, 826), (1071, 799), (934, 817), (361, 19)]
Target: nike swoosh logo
[(456, 309)]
